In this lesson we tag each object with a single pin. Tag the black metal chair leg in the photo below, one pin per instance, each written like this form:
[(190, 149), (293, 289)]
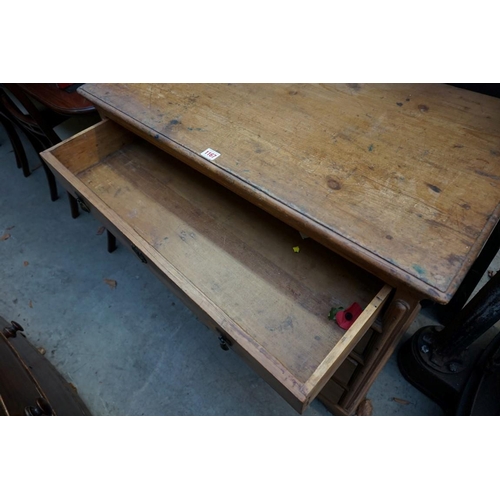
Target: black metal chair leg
[(52, 183), (73, 205), (111, 242), (17, 145)]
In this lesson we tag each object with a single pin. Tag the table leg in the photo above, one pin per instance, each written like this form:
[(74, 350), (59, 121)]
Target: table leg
[(73, 205), (398, 317), (111, 242), (52, 183), (17, 146)]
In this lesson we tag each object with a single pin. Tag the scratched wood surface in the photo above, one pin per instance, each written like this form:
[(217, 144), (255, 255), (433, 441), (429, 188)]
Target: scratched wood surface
[(227, 250), (401, 179)]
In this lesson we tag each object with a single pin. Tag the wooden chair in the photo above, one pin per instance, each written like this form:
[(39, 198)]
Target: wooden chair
[(21, 159), (38, 126), (37, 122)]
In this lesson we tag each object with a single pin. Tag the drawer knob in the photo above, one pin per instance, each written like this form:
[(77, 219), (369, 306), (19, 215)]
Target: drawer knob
[(11, 331), (82, 205), (139, 254), (224, 343), (42, 409)]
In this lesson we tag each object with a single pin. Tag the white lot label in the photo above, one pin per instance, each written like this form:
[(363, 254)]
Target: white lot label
[(210, 154)]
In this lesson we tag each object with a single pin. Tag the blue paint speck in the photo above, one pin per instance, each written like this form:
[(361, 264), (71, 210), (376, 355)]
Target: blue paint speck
[(420, 270)]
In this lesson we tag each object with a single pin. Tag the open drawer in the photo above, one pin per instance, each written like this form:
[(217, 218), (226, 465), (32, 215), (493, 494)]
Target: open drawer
[(232, 263)]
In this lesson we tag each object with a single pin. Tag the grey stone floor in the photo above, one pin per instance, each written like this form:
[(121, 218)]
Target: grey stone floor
[(136, 349)]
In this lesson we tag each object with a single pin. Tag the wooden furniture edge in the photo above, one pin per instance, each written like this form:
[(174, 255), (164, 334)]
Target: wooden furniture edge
[(342, 349), (367, 260), (3, 408), (46, 378), (76, 136), (400, 314)]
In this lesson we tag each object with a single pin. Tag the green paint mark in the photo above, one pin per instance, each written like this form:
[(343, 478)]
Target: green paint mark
[(370, 147), (420, 270)]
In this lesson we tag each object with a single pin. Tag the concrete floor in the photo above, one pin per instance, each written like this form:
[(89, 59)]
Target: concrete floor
[(135, 349)]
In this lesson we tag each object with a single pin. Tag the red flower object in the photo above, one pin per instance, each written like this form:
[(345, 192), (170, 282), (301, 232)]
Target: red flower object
[(346, 318)]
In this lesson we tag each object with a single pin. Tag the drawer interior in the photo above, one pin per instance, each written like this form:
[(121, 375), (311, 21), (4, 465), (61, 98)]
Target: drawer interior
[(231, 258)]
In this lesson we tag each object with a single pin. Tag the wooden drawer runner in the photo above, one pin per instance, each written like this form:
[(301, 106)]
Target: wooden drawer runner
[(231, 262)]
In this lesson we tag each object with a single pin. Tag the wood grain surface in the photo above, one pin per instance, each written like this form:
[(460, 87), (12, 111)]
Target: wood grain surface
[(401, 179)]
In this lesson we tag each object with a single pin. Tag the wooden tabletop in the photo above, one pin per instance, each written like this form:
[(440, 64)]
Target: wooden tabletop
[(401, 179), (59, 100)]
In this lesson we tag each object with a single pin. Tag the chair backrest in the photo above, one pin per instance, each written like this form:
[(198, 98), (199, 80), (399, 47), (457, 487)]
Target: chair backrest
[(30, 118)]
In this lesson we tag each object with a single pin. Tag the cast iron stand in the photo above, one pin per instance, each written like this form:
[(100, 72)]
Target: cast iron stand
[(438, 361)]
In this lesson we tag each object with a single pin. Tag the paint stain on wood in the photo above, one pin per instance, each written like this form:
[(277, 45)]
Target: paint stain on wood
[(333, 184), (454, 259), (420, 270), (434, 188), (174, 122), (423, 108), (354, 86), (284, 326), (371, 147)]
